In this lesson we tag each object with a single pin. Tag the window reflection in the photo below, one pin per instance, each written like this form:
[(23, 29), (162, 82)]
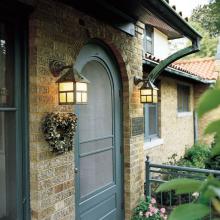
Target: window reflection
[(6, 66)]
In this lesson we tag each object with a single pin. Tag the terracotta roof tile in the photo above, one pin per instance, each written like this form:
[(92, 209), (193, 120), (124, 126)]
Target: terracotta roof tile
[(203, 67)]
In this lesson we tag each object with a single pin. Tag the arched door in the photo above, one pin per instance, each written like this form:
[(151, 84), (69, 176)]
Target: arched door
[(99, 193)]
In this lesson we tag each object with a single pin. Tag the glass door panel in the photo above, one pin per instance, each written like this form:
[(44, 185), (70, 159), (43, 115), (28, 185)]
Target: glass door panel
[(6, 65), (96, 132), (8, 172)]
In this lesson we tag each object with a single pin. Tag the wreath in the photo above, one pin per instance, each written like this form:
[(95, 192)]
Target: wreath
[(59, 129)]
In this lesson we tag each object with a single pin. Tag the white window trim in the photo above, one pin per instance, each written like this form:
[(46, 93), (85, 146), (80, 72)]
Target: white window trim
[(153, 143), (184, 114)]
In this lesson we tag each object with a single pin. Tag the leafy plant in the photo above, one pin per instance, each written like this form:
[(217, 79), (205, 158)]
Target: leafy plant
[(59, 129), (208, 190), (213, 162), (194, 156), (147, 210)]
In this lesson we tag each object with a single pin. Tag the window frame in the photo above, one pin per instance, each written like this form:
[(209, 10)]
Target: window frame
[(183, 93), (149, 137), (148, 33), (17, 17)]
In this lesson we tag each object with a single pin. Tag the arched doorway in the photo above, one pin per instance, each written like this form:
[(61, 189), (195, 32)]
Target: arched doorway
[(98, 155)]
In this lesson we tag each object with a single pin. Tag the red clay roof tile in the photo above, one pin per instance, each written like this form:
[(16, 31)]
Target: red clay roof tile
[(203, 67)]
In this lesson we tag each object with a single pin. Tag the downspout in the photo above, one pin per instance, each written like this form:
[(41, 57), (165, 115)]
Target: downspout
[(156, 71), (195, 126)]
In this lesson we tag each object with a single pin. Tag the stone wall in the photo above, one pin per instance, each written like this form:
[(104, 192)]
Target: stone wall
[(176, 129), (59, 31)]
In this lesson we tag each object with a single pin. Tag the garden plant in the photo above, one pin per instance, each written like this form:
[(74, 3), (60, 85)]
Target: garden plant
[(209, 190)]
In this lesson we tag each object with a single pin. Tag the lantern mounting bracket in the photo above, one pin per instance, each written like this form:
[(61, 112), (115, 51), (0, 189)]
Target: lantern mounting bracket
[(57, 66), (138, 80)]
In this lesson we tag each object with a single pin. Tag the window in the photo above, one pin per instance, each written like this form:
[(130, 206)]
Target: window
[(13, 137), (183, 98), (151, 130), (148, 40)]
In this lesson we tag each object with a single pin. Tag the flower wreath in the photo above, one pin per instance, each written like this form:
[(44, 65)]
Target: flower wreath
[(59, 129)]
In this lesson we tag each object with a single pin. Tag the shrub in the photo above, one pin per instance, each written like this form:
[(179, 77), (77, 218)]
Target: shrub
[(195, 156), (213, 162), (148, 210)]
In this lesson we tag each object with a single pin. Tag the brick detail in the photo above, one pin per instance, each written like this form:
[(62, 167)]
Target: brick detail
[(59, 31)]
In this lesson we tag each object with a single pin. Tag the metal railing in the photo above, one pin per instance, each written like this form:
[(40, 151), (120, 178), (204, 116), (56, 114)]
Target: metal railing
[(156, 174)]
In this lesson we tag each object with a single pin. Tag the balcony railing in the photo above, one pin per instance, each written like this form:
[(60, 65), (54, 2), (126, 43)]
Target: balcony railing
[(157, 173)]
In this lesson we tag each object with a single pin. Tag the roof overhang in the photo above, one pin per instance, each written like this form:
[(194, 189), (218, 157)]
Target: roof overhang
[(170, 71), (162, 10), (157, 13)]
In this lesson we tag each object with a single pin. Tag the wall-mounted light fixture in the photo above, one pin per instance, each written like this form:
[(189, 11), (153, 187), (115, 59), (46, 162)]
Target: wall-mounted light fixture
[(72, 86), (148, 91)]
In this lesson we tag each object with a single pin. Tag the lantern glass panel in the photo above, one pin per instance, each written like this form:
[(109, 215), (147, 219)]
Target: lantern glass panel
[(84, 97), (155, 92), (143, 99), (81, 86), (155, 99), (149, 99), (62, 97), (66, 86), (70, 97), (78, 97), (146, 91)]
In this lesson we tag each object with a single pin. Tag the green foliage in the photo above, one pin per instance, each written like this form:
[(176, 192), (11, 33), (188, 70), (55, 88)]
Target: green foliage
[(189, 212), (207, 16), (208, 44), (208, 190), (194, 156), (213, 161), (209, 101), (180, 186), (147, 210), (206, 20)]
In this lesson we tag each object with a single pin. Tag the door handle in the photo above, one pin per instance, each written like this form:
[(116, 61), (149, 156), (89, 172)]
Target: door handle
[(76, 170)]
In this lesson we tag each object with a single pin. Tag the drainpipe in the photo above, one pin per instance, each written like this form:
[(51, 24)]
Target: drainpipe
[(154, 74), (195, 126)]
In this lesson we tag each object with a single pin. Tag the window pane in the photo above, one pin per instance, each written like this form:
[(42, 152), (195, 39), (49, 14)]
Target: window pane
[(6, 66), (149, 47), (148, 40), (152, 120), (183, 95), (7, 166)]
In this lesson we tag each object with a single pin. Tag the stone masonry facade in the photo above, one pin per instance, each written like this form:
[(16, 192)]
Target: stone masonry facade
[(59, 31)]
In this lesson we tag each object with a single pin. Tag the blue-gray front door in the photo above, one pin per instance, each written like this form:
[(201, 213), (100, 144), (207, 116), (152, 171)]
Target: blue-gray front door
[(99, 164)]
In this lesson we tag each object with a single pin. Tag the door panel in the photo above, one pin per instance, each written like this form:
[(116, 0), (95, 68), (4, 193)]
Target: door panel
[(96, 171), (99, 161)]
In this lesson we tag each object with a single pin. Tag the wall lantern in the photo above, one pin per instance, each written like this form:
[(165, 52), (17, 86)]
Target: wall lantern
[(72, 86), (148, 91)]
